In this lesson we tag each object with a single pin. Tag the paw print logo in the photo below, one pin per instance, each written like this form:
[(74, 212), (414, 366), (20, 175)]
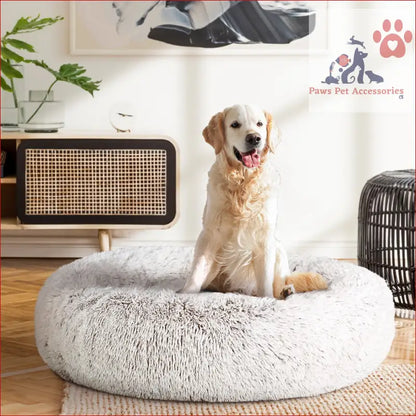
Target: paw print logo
[(393, 44)]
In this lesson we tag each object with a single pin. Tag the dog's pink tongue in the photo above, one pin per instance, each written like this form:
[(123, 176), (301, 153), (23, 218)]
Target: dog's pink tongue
[(251, 159)]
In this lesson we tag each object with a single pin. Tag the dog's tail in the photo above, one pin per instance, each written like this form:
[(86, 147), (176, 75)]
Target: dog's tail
[(298, 282), (306, 281)]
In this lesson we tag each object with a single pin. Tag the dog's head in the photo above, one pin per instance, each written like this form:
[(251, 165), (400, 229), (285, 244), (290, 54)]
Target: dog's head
[(245, 133)]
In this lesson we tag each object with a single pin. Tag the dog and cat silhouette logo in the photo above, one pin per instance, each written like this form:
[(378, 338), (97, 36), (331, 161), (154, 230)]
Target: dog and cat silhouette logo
[(392, 44)]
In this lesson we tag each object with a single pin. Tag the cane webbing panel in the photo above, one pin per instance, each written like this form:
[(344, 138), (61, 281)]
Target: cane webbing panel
[(124, 179), (95, 182)]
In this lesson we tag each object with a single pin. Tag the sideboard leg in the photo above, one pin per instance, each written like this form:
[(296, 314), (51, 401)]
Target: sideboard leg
[(104, 239)]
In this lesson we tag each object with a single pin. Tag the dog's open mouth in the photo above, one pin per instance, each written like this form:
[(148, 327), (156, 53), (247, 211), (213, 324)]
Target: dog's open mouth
[(249, 159)]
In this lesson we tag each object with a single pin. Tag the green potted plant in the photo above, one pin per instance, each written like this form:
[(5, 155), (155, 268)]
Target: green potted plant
[(40, 112)]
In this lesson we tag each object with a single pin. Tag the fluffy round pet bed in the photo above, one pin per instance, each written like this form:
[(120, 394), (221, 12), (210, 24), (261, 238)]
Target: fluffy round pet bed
[(114, 322)]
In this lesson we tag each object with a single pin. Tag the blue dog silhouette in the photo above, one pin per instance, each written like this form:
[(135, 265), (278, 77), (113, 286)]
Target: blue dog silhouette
[(357, 62)]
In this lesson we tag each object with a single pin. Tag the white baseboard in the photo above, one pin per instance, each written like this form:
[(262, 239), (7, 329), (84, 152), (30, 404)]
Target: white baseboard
[(74, 247), (62, 247), (334, 249)]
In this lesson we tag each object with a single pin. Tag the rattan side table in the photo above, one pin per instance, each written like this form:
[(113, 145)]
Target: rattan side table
[(386, 234)]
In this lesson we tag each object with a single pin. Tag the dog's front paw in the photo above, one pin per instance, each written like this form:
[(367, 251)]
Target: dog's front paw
[(287, 291)]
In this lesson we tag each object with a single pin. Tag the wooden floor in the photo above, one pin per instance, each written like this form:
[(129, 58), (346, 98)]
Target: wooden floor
[(27, 385)]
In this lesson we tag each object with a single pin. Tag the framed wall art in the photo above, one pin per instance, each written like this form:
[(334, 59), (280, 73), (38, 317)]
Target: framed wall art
[(198, 27)]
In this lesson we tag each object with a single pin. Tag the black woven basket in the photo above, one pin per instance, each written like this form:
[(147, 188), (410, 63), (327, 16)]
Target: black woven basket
[(386, 232)]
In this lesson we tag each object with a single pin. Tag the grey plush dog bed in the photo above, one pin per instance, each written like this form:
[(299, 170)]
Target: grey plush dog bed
[(114, 322)]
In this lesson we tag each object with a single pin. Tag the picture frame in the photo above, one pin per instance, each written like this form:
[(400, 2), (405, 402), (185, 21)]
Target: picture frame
[(90, 35)]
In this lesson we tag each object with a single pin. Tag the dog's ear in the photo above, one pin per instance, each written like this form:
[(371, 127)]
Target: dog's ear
[(214, 132), (272, 133)]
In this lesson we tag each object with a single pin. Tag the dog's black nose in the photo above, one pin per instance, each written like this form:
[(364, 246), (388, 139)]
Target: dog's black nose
[(253, 139)]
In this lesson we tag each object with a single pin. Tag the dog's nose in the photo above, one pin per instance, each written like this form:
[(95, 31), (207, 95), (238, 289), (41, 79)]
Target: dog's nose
[(253, 139)]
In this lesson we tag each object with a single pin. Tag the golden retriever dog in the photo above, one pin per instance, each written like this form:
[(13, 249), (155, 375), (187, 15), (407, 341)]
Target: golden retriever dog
[(237, 250)]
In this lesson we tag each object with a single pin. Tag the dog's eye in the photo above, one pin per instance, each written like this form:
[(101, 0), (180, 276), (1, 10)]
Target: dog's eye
[(235, 125), (259, 124)]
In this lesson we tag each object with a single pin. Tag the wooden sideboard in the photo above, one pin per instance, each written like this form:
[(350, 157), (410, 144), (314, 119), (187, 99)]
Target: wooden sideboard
[(89, 180)]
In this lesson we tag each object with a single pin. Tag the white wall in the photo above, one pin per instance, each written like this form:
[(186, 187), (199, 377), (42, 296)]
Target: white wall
[(325, 159)]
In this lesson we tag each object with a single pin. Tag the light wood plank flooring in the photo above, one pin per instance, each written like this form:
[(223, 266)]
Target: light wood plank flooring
[(27, 386)]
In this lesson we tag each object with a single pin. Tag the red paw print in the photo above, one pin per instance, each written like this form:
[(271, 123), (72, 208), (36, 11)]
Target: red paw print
[(392, 44)]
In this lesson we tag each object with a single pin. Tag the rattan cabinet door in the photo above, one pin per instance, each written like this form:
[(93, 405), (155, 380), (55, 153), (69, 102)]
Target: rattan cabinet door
[(96, 181)]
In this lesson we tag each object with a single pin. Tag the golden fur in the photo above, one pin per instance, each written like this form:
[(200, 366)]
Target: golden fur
[(301, 281), (214, 132), (235, 248), (245, 193)]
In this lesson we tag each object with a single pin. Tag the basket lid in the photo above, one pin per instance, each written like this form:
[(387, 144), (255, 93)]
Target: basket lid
[(399, 174)]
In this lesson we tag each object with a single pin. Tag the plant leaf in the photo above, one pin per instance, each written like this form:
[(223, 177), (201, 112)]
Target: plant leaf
[(30, 24), (19, 44), (9, 71), (70, 73), (71, 70), (6, 53), (5, 86)]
